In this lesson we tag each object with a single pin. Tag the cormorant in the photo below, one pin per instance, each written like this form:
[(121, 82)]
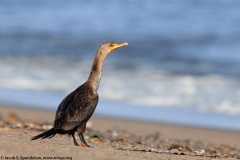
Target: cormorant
[(76, 109)]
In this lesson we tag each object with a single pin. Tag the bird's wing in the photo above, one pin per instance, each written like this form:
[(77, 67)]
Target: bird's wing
[(75, 109)]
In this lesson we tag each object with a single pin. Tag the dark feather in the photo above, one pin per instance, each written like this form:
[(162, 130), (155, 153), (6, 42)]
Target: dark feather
[(48, 134), (76, 108)]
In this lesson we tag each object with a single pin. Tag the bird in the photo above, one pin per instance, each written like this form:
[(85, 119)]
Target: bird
[(77, 107)]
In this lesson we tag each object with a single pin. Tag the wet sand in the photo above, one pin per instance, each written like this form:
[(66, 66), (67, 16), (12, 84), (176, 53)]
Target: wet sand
[(111, 138)]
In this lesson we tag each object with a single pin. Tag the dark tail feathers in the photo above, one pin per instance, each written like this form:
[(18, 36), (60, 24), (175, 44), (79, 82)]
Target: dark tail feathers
[(48, 134)]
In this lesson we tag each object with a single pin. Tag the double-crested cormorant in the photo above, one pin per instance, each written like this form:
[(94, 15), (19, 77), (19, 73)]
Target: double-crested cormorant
[(76, 109)]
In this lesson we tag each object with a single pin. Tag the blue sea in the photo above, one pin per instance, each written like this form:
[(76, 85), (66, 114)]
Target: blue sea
[(182, 64)]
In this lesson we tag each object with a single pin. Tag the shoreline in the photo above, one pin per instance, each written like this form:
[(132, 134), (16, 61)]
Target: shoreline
[(127, 111), (119, 139)]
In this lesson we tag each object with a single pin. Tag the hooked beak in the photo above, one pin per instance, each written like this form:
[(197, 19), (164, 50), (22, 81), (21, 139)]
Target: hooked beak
[(115, 46)]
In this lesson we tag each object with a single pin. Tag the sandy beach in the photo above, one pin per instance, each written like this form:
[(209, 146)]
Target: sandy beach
[(111, 138)]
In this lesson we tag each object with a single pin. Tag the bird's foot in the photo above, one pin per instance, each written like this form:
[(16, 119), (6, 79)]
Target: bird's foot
[(76, 144), (85, 145)]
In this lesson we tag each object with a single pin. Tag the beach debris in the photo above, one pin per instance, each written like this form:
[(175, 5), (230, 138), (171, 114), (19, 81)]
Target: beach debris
[(20, 125), (12, 117), (200, 152), (175, 146), (47, 126), (95, 136), (13, 121), (114, 133), (187, 149), (124, 140)]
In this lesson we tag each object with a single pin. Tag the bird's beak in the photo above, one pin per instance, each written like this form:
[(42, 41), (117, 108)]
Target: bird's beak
[(115, 46)]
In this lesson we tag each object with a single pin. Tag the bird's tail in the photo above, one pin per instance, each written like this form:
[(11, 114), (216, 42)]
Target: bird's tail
[(48, 134)]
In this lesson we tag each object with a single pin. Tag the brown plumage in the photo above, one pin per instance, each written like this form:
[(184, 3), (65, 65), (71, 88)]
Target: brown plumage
[(77, 108)]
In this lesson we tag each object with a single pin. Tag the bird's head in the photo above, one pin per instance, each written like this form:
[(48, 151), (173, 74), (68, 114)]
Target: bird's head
[(108, 47)]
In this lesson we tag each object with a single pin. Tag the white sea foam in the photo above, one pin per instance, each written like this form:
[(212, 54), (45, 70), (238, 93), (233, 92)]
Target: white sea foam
[(143, 86)]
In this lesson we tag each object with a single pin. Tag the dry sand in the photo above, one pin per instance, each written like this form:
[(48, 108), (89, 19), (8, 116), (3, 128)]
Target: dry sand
[(111, 139)]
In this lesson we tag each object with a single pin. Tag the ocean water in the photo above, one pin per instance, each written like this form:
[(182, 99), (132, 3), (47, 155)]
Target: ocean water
[(181, 65)]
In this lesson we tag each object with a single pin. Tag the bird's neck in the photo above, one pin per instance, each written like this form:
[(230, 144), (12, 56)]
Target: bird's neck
[(95, 75)]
